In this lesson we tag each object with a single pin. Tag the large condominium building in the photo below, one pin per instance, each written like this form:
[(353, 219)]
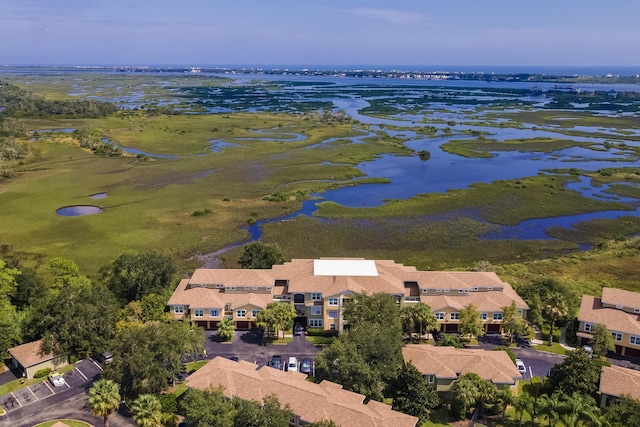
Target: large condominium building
[(619, 311), (318, 288)]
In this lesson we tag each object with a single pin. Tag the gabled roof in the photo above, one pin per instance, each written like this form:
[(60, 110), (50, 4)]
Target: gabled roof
[(30, 353), (592, 311), (489, 301), (450, 362), (620, 297), (617, 381), (312, 402)]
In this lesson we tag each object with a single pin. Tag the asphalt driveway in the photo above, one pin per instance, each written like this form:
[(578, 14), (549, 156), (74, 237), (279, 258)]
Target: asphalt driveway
[(248, 346)]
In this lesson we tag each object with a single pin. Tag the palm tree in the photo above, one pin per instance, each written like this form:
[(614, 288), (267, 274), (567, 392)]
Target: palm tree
[(504, 398), (555, 308), (147, 411), (422, 315), (103, 399), (522, 404), (225, 329), (579, 407), (551, 406)]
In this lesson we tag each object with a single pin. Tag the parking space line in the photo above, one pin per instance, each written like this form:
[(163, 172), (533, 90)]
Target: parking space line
[(97, 364), (80, 372), (48, 386), (16, 399), (34, 395)]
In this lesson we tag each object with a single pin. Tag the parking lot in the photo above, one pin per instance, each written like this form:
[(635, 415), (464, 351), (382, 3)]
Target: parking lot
[(82, 374), (248, 346)]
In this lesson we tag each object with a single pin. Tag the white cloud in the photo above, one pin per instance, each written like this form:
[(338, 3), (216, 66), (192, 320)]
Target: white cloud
[(388, 15)]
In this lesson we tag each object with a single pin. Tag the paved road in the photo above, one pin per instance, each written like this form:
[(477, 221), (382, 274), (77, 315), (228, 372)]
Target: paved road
[(42, 401)]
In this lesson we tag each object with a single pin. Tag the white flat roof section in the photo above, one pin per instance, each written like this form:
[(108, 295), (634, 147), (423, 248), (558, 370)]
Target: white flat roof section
[(344, 267)]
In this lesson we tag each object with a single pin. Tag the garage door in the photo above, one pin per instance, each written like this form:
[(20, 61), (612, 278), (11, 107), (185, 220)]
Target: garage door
[(493, 328), (451, 327), (243, 325), (632, 352), (202, 324)]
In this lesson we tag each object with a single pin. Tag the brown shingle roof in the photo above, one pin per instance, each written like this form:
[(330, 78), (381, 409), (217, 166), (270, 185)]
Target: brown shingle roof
[(618, 381), (312, 402), (619, 297), (30, 353), (488, 301), (592, 311), (448, 362)]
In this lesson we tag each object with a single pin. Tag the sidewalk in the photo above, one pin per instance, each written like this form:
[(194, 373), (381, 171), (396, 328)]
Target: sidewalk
[(563, 333)]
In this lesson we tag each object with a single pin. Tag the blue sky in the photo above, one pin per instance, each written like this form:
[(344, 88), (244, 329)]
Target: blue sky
[(320, 32)]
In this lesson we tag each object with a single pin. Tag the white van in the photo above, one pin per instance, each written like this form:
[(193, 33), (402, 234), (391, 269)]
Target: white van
[(292, 364)]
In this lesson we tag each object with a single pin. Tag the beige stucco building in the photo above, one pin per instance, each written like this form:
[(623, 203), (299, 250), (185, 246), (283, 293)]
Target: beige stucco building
[(442, 366), (619, 311), (318, 288)]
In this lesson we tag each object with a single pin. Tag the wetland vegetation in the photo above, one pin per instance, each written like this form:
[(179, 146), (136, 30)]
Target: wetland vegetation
[(430, 174)]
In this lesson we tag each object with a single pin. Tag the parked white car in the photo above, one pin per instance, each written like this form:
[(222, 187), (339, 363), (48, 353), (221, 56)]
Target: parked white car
[(521, 368), (292, 364), (56, 379)]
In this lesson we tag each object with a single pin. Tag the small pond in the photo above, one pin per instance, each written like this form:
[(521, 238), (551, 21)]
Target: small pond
[(78, 210)]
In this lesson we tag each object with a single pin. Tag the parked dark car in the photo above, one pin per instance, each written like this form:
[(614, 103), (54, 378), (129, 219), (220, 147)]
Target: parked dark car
[(104, 358), (276, 362), (298, 330), (305, 366)]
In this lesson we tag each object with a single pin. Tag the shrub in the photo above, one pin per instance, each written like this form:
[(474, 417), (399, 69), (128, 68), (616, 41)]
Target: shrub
[(202, 212), (42, 373)]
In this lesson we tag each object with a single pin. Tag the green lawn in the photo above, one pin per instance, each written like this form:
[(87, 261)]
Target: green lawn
[(554, 348)]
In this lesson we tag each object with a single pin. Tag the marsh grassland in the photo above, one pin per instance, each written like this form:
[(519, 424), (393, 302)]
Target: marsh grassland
[(205, 158)]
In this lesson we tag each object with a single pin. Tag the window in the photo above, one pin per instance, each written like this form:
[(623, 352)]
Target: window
[(454, 316), (589, 327), (634, 340), (230, 288), (489, 288), (476, 288), (219, 285), (333, 314), (268, 288), (316, 296), (430, 378), (254, 313), (333, 301), (254, 288), (178, 309), (316, 311), (446, 290), (247, 288), (439, 315), (619, 307), (198, 312), (439, 290), (424, 291), (617, 336), (483, 316), (497, 316), (636, 310), (463, 291), (214, 312), (332, 326), (241, 313), (315, 323)]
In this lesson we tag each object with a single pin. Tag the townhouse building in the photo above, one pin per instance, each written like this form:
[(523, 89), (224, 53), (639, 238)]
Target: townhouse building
[(442, 366), (318, 289), (309, 402), (619, 311), (615, 382)]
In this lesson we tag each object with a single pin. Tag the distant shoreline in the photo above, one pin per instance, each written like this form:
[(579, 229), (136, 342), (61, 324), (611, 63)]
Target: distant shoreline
[(601, 75)]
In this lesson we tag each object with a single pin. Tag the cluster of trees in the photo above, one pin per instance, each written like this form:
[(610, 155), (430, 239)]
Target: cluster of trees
[(567, 396), (123, 310), (367, 357), (18, 102), (91, 139), (197, 407)]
